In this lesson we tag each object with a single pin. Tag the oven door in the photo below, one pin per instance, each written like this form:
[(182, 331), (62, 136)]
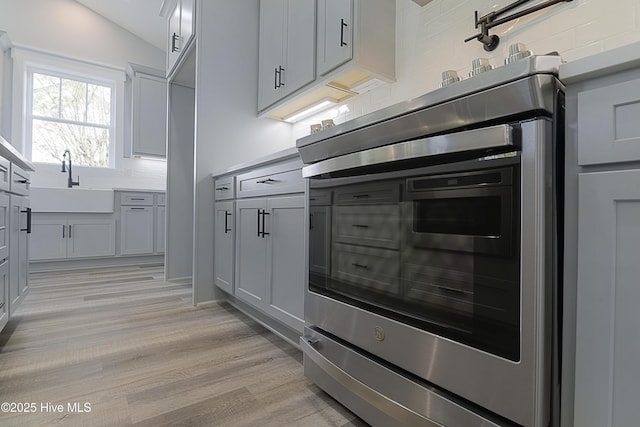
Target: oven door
[(506, 374)]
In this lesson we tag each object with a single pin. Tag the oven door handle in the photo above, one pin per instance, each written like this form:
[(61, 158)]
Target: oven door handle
[(476, 142), (309, 345)]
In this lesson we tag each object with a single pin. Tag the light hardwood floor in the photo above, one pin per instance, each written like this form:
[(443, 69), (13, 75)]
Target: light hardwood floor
[(134, 348)]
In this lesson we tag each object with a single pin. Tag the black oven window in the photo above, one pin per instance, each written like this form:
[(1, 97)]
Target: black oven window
[(470, 216)]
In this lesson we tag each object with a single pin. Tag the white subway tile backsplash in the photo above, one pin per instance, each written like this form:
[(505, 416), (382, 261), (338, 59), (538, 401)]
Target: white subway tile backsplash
[(430, 39)]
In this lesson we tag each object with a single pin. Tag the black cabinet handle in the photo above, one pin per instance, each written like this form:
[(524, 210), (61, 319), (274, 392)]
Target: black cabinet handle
[(28, 229), (259, 213), (310, 221), (69, 230), (63, 228), (227, 214), (174, 39), (343, 25), (275, 78), (265, 181), (280, 70), (264, 233)]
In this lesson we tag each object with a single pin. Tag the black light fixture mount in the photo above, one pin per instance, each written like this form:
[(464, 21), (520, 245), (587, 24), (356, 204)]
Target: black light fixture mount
[(491, 20)]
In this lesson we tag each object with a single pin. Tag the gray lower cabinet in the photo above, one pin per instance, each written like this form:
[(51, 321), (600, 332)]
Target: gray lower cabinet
[(66, 236), (224, 245), (270, 256), (141, 223), (608, 292), (602, 253), (19, 251), (4, 260)]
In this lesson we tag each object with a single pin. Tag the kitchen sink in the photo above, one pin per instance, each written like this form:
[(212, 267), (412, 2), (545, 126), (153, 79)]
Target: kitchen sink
[(90, 200)]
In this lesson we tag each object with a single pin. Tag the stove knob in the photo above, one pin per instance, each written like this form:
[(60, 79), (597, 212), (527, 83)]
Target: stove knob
[(448, 77), (517, 51), (479, 66)]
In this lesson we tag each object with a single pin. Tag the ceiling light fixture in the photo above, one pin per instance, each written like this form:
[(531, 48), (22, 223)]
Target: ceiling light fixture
[(307, 111)]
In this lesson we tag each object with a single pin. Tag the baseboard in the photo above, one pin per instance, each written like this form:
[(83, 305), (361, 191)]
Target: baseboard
[(78, 264)]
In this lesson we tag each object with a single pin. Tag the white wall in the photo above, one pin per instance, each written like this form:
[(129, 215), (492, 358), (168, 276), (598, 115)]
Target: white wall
[(68, 29), (430, 39), (227, 130)]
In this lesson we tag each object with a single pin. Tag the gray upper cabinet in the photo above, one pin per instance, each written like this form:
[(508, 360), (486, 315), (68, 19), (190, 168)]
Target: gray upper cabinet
[(148, 112), (181, 30), (287, 48), (335, 34)]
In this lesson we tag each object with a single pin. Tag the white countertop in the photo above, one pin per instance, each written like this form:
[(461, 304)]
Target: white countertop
[(140, 190), (611, 61), (9, 152), (273, 157)]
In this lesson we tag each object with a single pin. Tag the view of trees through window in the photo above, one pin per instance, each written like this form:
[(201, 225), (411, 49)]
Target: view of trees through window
[(70, 114)]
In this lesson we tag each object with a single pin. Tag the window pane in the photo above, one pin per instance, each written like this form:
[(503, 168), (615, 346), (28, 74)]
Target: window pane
[(46, 95), (99, 104), (74, 100), (89, 145)]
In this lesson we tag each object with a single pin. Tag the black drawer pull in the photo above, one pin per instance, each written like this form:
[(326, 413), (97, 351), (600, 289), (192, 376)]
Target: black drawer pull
[(359, 225), (362, 266), (361, 196), (222, 188), (265, 181)]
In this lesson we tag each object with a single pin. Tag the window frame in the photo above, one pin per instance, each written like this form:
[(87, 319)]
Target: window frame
[(82, 77)]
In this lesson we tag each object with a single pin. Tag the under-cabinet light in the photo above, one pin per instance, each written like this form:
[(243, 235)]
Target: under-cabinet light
[(306, 112)]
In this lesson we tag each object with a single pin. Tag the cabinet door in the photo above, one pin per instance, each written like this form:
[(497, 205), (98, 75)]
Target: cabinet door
[(5, 229), (187, 21), (174, 44), (91, 237), (300, 42), (251, 252), (224, 234), (271, 56), (286, 267), (48, 238), (335, 34), (18, 251), (4, 293), (149, 116), (608, 320), (136, 230), (160, 221)]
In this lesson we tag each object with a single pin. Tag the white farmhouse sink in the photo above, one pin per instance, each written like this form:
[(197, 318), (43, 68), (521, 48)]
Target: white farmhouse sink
[(88, 200)]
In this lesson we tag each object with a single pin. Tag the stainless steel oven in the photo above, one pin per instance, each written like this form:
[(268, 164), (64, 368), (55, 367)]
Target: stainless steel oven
[(433, 289)]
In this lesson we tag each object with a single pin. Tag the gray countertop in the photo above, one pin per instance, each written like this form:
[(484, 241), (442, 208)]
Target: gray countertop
[(10, 153), (611, 61), (279, 155)]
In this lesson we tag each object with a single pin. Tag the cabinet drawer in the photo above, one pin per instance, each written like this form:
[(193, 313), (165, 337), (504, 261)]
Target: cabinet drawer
[(142, 199), (161, 199), (608, 125), (371, 268), (19, 181), (5, 174), (224, 188), (371, 193), (320, 197), (369, 225), (279, 179)]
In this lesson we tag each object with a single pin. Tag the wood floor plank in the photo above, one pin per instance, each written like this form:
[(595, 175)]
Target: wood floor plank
[(132, 347)]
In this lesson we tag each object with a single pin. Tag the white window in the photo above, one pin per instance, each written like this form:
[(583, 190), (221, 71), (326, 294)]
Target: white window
[(71, 112)]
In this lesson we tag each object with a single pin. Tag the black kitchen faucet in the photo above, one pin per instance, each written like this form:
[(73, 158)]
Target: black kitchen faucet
[(70, 181)]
